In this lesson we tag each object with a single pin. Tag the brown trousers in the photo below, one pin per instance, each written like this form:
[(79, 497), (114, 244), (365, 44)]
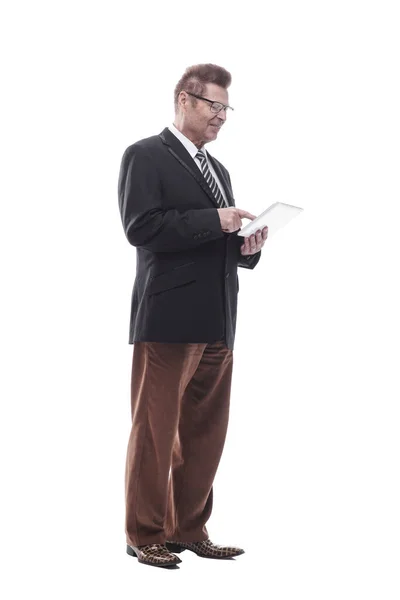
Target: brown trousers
[(180, 396)]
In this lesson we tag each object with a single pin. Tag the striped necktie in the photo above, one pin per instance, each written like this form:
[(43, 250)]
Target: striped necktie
[(210, 179)]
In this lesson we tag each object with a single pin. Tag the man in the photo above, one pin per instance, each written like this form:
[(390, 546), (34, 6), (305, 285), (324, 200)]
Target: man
[(178, 210)]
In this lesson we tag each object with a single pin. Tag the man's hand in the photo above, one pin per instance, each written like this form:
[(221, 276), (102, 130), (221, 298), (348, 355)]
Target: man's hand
[(254, 242), (231, 218)]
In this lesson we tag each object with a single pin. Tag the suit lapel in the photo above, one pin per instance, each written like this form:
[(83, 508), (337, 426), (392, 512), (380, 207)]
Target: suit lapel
[(180, 153)]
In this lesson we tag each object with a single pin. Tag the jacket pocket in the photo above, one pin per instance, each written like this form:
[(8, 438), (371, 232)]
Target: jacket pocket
[(176, 277)]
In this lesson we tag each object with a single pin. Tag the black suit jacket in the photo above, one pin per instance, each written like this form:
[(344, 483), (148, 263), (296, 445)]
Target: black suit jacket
[(186, 283)]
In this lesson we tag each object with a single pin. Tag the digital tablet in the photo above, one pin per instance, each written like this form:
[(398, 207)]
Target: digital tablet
[(276, 216)]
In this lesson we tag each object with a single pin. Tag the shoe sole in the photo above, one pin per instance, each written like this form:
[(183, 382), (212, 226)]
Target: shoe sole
[(131, 552), (177, 549)]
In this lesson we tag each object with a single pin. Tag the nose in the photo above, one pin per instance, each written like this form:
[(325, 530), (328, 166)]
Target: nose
[(222, 115)]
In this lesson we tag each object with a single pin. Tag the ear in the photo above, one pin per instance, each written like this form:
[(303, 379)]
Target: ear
[(182, 98)]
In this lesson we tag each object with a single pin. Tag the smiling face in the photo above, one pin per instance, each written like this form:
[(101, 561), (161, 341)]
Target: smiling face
[(197, 122)]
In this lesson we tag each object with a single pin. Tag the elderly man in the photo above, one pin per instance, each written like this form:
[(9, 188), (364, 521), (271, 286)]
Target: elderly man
[(178, 210)]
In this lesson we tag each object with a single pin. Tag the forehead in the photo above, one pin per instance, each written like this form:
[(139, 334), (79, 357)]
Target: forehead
[(217, 93)]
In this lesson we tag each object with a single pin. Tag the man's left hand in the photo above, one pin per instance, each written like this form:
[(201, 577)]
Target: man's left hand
[(254, 242)]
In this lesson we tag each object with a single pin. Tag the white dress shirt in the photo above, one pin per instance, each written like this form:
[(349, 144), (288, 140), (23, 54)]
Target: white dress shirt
[(192, 149)]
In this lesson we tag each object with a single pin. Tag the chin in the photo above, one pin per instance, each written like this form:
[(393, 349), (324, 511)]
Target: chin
[(212, 134)]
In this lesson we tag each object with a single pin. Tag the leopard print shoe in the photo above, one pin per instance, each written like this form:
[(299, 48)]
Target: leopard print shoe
[(156, 555), (205, 549)]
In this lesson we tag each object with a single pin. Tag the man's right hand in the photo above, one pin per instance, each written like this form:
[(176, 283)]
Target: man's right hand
[(231, 218)]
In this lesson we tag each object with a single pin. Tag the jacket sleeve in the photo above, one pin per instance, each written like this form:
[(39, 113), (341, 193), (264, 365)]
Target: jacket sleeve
[(146, 223), (247, 262)]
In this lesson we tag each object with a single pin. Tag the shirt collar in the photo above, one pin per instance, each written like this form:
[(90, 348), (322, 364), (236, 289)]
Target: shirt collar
[(190, 147)]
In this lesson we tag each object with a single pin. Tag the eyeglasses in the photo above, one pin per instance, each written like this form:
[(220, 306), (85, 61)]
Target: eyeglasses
[(215, 107)]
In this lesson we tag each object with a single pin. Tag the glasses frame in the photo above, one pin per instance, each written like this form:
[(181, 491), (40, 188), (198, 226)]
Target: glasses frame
[(224, 106)]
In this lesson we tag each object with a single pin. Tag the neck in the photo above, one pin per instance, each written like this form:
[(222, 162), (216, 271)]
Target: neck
[(190, 135)]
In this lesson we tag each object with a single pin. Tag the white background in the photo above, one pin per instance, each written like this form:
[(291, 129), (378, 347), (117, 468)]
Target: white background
[(309, 480)]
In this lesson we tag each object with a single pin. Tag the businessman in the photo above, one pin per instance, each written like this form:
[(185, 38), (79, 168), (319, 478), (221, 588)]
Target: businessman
[(177, 209)]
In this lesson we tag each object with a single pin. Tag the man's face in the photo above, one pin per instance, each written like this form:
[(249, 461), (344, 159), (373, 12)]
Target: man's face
[(203, 124)]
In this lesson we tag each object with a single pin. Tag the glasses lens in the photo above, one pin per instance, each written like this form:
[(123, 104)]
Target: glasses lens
[(216, 107)]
